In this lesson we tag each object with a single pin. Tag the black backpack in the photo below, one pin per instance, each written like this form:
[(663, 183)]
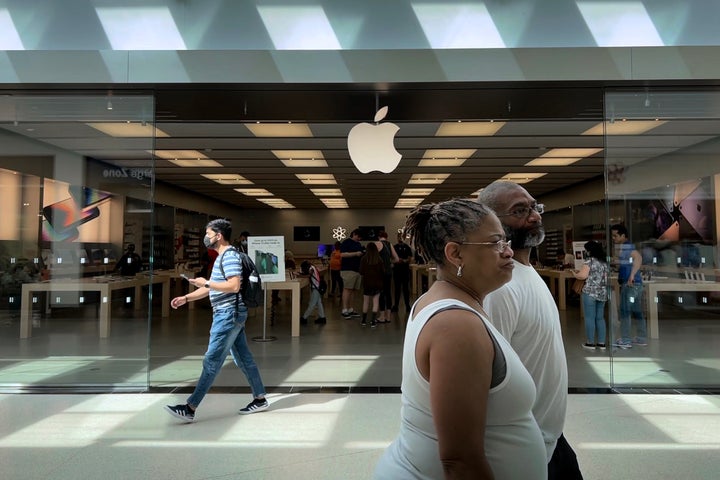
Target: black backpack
[(305, 269), (251, 288)]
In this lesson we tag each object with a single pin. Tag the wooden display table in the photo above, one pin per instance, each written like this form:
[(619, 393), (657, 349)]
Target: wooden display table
[(294, 286), (104, 285), (558, 284)]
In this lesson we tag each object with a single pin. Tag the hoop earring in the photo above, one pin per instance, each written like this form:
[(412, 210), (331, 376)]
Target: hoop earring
[(459, 270)]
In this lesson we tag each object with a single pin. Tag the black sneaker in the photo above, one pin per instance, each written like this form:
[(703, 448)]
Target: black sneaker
[(255, 406), (363, 323), (321, 320), (182, 412), (374, 323), (346, 315), (303, 321), (353, 313)]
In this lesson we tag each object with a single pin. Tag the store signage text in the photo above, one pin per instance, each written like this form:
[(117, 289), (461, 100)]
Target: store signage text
[(136, 173)]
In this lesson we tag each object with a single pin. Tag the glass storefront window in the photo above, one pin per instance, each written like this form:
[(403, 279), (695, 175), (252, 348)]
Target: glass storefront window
[(662, 169), (75, 270)]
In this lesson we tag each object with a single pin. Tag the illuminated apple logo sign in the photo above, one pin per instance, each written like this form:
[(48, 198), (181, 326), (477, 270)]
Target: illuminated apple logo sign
[(371, 147)]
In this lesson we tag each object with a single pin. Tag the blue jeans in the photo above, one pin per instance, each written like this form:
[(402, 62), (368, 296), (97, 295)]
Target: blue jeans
[(315, 299), (227, 334), (594, 311), (631, 304)]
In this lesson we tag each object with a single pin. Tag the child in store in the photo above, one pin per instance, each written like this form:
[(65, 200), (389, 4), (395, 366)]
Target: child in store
[(316, 293)]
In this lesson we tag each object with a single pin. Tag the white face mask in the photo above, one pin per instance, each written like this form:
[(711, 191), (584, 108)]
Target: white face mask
[(243, 242)]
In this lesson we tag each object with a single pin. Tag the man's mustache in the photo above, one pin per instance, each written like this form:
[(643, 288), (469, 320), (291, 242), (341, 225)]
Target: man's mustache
[(522, 238)]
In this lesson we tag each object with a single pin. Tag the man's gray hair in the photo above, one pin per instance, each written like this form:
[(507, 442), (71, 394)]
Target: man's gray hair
[(490, 195)]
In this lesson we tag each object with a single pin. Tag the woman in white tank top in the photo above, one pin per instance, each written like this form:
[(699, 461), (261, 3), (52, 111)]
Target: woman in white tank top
[(466, 397)]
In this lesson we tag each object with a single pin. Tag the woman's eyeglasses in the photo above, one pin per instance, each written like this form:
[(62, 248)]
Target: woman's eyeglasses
[(500, 245)]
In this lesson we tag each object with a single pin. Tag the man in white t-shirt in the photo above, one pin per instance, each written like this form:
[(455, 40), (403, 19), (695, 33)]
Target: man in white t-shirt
[(524, 311)]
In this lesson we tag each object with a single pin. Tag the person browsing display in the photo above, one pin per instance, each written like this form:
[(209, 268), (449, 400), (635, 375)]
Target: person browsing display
[(130, 263), (350, 251), (335, 266), (466, 396), (594, 294), (631, 289), (401, 272), (389, 258)]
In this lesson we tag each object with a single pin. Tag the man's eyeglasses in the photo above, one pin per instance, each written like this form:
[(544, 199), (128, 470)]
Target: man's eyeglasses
[(500, 245), (524, 212)]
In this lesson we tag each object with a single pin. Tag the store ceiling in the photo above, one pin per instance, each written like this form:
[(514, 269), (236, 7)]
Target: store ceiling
[(214, 121)]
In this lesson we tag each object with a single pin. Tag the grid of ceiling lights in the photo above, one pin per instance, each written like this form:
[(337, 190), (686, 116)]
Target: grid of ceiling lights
[(420, 185)]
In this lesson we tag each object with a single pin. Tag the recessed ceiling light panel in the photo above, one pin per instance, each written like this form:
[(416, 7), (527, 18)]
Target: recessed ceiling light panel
[(468, 129), (317, 179), (327, 192), (227, 178), (128, 129), (194, 163), (177, 154), (428, 178), (629, 127), (408, 202), (254, 192), (288, 130), (297, 163), (417, 192), (522, 177), (275, 202)]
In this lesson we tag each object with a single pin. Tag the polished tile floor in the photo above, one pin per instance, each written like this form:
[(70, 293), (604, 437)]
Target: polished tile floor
[(321, 436), (334, 400), (65, 350)]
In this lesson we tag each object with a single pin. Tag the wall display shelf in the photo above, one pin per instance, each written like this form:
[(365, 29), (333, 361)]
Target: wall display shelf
[(189, 230), (552, 245), (192, 238), (158, 241), (132, 233)]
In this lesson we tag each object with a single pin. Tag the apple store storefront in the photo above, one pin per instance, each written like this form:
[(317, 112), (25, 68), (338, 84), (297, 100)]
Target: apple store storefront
[(82, 179)]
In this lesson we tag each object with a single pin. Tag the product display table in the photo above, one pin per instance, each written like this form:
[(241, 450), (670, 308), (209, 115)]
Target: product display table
[(558, 283), (652, 288), (180, 284), (104, 285), (294, 286)]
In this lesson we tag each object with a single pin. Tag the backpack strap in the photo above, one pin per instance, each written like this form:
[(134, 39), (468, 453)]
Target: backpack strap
[(222, 271), (314, 278)]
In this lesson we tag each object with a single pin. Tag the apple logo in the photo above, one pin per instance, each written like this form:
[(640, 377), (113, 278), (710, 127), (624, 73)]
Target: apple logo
[(371, 146)]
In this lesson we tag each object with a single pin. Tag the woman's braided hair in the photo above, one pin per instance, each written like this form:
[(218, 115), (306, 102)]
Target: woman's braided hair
[(431, 226)]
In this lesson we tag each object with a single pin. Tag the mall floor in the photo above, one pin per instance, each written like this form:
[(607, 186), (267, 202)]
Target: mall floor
[(334, 401)]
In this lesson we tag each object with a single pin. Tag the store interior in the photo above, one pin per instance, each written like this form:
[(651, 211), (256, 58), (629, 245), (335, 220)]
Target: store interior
[(151, 167)]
